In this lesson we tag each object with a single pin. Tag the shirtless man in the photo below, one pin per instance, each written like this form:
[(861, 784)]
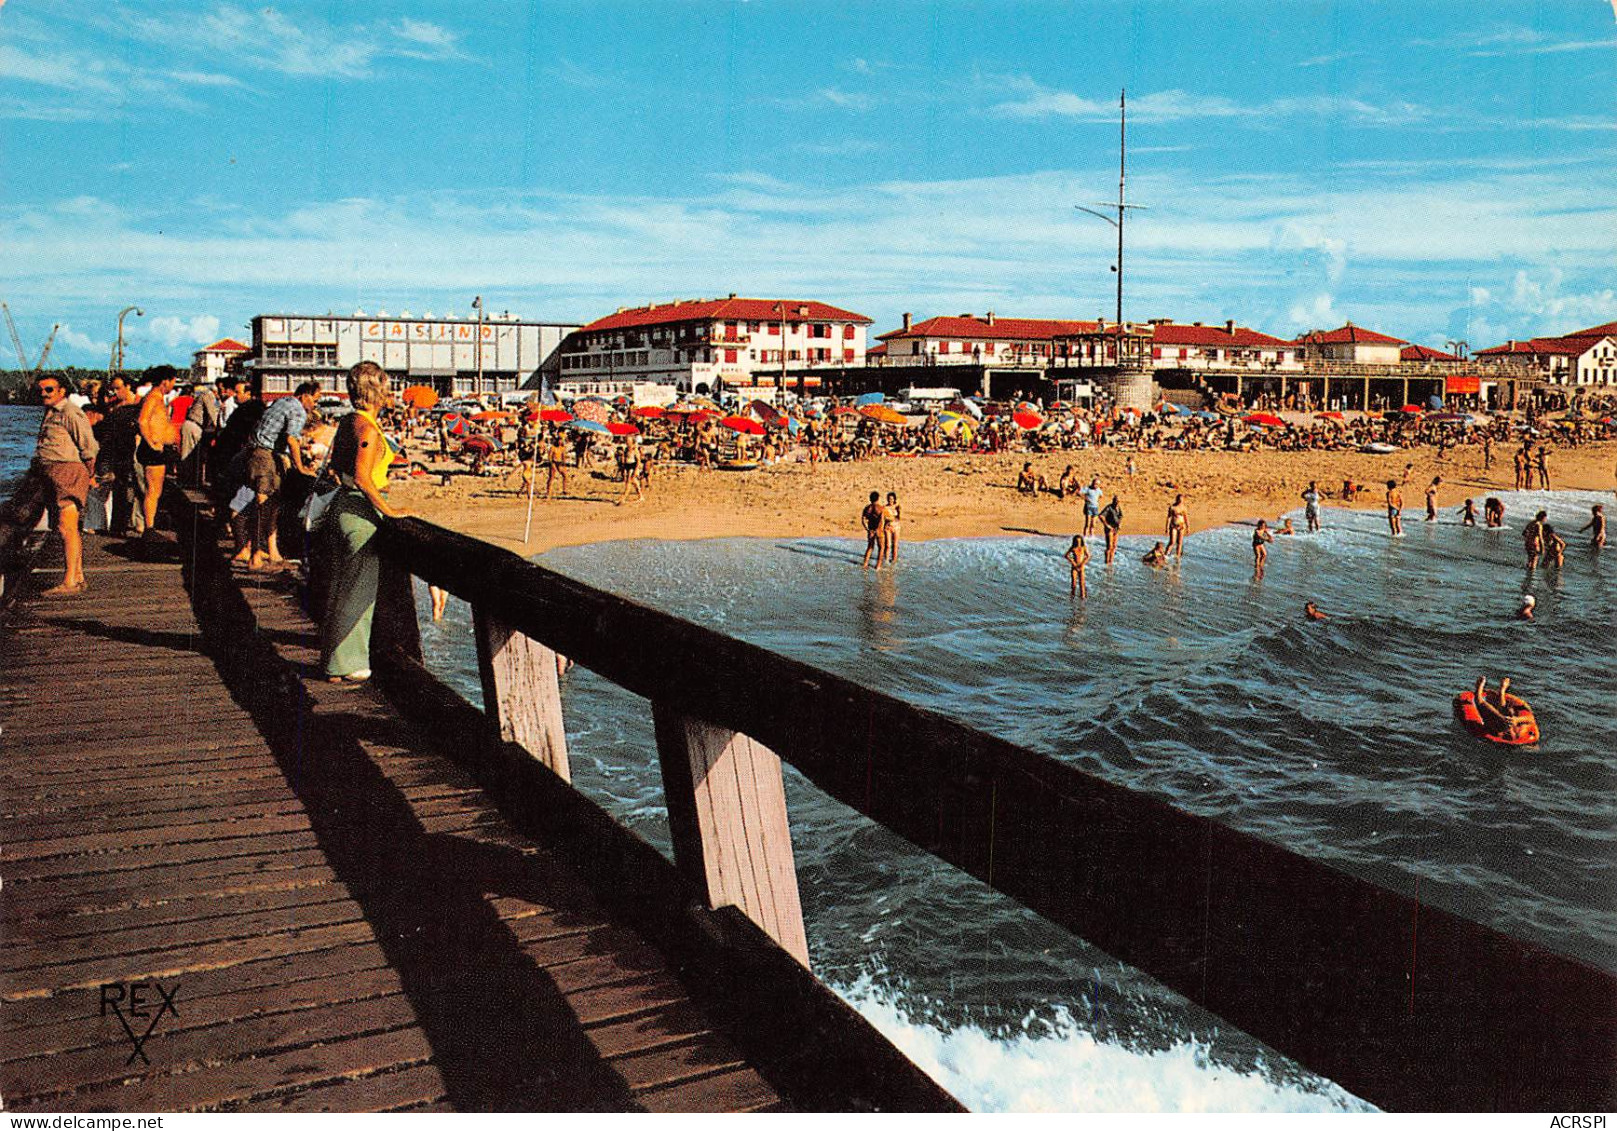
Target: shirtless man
[(1431, 498), (1541, 462), (1596, 523), (1554, 546), (1498, 714), (1533, 539), (1520, 461), (1312, 612), (630, 464), (1111, 521), (555, 462), (871, 519), (155, 433), (1395, 508), (1493, 513), (1028, 483), (1178, 523), (1526, 611), (1068, 483), (1077, 556)]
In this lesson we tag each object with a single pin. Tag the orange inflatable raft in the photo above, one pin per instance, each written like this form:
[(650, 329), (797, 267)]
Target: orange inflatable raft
[(1523, 730)]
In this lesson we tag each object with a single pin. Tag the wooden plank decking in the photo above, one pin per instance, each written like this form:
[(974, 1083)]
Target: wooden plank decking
[(350, 922)]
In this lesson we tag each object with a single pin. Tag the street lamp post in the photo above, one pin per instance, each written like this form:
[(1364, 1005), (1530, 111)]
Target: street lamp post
[(477, 305), (118, 364)]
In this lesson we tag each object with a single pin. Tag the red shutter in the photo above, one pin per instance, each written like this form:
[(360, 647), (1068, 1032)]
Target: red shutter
[(729, 355), (847, 333), (847, 355), (943, 347)]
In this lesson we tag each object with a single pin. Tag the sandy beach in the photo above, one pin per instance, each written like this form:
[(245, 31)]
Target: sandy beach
[(966, 495)]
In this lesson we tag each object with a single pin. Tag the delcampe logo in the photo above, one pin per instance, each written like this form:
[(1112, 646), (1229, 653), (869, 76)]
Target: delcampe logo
[(147, 1002)]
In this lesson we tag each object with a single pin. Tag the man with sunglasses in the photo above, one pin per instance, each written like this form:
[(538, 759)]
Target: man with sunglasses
[(64, 459)]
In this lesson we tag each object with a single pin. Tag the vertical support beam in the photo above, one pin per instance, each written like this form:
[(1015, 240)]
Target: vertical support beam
[(727, 813), (522, 691), (394, 628), (1365, 404)]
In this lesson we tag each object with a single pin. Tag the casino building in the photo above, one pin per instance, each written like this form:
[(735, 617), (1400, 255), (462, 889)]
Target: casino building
[(456, 356)]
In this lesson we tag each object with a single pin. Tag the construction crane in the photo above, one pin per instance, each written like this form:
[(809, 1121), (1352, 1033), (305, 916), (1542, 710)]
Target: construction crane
[(22, 356), (45, 351)]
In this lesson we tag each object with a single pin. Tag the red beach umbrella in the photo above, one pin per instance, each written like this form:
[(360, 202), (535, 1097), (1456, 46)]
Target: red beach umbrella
[(648, 412), (555, 415), (1265, 419), (743, 424), (619, 428), (1027, 420), (1412, 409)]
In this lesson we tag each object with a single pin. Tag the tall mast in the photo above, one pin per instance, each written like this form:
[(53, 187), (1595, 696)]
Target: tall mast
[(1122, 166)]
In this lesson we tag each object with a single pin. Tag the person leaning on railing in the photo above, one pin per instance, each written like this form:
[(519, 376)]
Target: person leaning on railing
[(360, 458)]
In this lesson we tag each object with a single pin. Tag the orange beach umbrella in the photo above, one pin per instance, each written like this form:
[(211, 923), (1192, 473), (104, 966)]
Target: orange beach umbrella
[(420, 396)]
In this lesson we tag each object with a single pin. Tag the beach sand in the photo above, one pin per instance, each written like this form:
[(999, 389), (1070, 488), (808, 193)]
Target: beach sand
[(969, 495)]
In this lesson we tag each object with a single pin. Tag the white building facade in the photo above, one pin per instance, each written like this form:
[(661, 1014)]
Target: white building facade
[(699, 344), (966, 339), (456, 356), (1583, 358)]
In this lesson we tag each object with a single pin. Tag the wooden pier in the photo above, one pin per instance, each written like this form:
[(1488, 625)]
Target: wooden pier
[(384, 898)]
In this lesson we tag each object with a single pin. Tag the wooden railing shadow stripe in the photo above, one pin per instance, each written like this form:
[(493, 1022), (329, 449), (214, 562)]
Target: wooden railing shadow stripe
[(1406, 1005)]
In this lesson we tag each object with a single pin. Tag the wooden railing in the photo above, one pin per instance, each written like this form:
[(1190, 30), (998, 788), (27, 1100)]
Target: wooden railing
[(1406, 1005), (19, 515)]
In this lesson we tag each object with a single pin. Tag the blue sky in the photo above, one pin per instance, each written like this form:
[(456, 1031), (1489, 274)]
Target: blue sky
[(1435, 170)]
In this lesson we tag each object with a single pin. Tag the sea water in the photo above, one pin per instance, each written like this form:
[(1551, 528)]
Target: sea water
[(1199, 684)]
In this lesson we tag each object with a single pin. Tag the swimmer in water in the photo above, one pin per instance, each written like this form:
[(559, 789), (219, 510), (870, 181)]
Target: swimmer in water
[(1498, 714), (1311, 506), (1077, 556), (1156, 557), (1311, 611), (1468, 513), (1526, 611), (1596, 523), (1395, 508), (1431, 498), (1286, 527), (1493, 513)]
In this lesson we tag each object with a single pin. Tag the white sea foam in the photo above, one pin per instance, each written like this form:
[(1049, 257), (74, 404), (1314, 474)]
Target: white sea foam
[(1064, 1068)]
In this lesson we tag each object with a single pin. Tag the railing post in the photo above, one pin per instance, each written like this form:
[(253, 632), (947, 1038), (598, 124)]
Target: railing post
[(395, 631), (727, 814), (522, 691)]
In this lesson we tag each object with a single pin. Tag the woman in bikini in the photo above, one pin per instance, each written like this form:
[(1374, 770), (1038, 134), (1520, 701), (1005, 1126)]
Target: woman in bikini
[(1178, 523), (556, 462), (893, 515)]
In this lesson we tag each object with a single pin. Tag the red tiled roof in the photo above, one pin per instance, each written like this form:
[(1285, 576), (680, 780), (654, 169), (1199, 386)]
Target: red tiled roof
[(226, 345), (737, 309), (1605, 329), (1424, 353), (876, 351), (1003, 329), (1570, 345), (1352, 334), (1180, 334)]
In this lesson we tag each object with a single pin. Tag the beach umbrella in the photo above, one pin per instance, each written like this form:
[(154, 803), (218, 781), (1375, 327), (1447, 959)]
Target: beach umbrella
[(792, 426), (590, 426), (591, 408), (701, 416), (1412, 409), (881, 414), (457, 426), (972, 408), (619, 428), (1328, 416), (1266, 420), (960, 424), (1449, 418), (555, 415), (869, 398), (481, 416), (481, 444), (844, 410), (1026, 420), (648, 412), (743, 424), (420, 396)]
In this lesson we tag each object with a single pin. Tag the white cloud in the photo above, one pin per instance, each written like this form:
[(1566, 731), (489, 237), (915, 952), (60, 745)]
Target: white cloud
[(844, 99), (265, 38), (1270, 251), (1039, 102), (198, 330), (80, 344)]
